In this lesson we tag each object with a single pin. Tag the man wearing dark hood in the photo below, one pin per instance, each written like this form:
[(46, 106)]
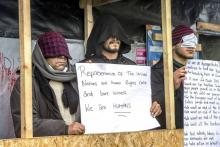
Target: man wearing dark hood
[(107, 43), (54, 91)]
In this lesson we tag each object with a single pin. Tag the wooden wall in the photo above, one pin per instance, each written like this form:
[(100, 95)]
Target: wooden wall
[(156, 138)]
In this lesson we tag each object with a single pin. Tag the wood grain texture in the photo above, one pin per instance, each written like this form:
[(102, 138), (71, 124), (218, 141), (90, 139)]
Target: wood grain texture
[(168, 63), (208, 26), (88, 19), (156, 138), (26, 68)]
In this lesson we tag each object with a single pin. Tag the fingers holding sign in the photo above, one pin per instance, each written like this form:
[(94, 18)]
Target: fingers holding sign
[(155, 109), (179, 76), (76, 129)]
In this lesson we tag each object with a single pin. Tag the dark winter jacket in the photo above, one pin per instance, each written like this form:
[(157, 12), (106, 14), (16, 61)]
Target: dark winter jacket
[(47, 120), (157, 86)]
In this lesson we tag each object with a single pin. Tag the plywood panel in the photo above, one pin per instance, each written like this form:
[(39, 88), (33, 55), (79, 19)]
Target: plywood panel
[(157, 138)]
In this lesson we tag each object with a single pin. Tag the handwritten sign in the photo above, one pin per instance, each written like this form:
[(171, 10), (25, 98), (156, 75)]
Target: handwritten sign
[(9, 61), (202, 104), (114, 98)]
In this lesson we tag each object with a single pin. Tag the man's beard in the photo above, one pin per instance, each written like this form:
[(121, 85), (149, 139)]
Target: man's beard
[(183, 56), (115, 50)]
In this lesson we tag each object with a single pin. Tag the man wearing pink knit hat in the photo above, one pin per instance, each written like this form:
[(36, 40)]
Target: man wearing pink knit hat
[(55, 94), (184, 43)]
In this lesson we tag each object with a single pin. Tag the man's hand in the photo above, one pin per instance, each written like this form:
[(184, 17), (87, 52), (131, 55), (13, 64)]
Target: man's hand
[(76, 129), (155, 109), (179, 76)]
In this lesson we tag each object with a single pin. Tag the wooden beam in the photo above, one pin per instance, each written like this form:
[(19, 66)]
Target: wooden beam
[(208, 26), (198, 47), (82, 4), (88, 19), (168, 63), (26, 69)]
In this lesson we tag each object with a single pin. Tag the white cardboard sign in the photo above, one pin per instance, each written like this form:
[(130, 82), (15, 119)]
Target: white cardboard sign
[(114, 98), (202, 104)]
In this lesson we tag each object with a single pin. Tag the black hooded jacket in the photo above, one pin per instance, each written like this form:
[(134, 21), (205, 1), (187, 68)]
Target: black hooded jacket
[(105, 27)]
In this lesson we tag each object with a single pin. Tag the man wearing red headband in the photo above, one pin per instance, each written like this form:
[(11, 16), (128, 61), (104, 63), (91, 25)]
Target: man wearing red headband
[(184, 43)]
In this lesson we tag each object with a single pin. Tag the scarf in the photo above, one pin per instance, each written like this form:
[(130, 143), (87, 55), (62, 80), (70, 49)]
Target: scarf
[(44, 73), (40, 62)]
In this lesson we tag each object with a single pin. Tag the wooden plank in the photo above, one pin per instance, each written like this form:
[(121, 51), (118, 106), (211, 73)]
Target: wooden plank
[(198, 47), (168, 64), (82, 3), (208, 26), (26, 68), (156, 138), (1, 143), (88, 19)]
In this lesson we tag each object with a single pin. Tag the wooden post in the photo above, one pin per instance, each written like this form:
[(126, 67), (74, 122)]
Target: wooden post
[(26, 69), (88, 19), (168, 63)]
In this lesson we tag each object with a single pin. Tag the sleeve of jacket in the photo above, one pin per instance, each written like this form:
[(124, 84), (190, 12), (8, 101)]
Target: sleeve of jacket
[(41, 127), (157, 87), (15, 108), (45, 126)]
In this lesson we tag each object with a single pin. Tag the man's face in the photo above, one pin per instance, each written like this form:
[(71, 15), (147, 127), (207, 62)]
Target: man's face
[(184, 52), (57, 63), (112, 45)]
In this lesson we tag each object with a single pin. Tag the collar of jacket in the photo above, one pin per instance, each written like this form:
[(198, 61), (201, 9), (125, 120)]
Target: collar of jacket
[(177, 64)]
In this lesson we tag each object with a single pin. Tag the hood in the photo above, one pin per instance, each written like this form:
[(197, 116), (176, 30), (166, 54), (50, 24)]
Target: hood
[(106, 26)]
